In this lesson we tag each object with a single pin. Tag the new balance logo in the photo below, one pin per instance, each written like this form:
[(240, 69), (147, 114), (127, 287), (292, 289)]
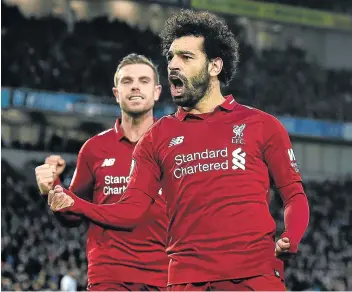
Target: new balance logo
[(238, 159), (176, 141), (108, 162)]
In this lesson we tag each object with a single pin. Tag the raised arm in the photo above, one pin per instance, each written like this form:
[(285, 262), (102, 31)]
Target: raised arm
[(141, 192), (82, 182)]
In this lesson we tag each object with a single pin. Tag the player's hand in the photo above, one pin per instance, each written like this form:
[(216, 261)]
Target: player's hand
[(45, 177), (58, 200), (58, 162), (282, 249)]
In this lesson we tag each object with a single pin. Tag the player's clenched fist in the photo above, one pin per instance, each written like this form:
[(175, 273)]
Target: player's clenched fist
[(58, 162), (282, 248), (45, 177), (58, 200)]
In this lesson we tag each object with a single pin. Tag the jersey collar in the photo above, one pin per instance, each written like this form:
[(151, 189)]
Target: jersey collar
[(119, 131), (227, 105)]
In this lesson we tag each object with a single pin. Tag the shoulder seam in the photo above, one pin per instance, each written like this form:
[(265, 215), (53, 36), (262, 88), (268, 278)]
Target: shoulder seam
[(104, 132)]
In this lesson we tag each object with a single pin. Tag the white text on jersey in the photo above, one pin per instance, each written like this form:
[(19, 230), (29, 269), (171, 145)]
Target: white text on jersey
[(203, 161), (110, 180)]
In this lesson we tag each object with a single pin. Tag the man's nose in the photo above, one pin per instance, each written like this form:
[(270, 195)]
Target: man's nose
[(174, 64)]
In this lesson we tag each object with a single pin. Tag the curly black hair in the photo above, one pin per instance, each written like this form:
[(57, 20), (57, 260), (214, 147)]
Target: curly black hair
[(219, 41)]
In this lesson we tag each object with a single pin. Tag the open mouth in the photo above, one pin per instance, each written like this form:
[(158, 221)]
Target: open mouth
[(177, 86), (176, 81)]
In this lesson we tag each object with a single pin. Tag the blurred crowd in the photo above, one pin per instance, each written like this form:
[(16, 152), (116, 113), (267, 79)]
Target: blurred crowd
[(36, 251), (339, 6), (324, 261), (42, 54), (56, 142)]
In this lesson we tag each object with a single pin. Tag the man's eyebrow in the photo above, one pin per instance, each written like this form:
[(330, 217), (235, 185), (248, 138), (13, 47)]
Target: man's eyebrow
[(180, 52), (126, 78), (130, 78), (184, 52)]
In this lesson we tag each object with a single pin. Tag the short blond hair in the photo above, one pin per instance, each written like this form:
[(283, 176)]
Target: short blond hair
[(136, 59)]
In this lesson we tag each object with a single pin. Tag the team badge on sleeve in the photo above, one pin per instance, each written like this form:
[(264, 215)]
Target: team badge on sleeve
[(292, 157)]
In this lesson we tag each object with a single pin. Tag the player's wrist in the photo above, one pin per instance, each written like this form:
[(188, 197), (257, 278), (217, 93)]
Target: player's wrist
[(78, 205)]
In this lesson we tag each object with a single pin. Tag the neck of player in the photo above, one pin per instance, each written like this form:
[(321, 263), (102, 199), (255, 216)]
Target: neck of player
[(135, 127), (212, 99)]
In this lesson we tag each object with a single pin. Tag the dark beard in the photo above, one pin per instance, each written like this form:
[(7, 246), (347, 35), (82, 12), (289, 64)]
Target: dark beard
[(195, 89)]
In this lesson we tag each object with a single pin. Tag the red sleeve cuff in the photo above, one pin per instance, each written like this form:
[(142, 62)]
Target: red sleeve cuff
[(296, 214), (78, 205)]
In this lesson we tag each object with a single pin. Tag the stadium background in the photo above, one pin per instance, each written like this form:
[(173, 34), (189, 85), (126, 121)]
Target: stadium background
[(58, 60)]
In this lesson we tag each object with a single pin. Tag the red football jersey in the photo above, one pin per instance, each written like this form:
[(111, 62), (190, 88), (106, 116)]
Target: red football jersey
[(215, 168), (101, 176)]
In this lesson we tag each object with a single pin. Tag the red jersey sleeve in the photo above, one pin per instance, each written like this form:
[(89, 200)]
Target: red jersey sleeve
[(280, 159), (278, 153), (124, 214), (145, 173), (142, 189), (82, 185), (296, 214)]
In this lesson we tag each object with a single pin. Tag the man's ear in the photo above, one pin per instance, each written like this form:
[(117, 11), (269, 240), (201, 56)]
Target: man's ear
[(116, 94), (215, 67), (157, 92)]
